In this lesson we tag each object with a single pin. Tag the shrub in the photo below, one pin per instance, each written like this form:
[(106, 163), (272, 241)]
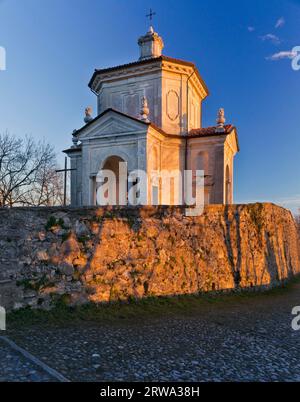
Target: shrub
[(50, 223)]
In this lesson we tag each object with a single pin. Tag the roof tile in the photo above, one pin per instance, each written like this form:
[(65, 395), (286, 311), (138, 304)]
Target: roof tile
[(198, 132)]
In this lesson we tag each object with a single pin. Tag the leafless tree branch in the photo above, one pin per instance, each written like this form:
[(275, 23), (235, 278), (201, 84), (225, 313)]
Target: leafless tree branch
[(27, 173)]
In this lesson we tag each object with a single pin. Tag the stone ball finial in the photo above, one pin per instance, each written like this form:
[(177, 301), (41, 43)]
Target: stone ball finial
[(221, 120), (74, 139), (88, 114), (145, 110)]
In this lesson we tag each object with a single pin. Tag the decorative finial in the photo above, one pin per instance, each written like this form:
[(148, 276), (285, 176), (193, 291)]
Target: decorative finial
[(88, 114), (145, 110), (150, 16), (151, 44), (75, 142), (74, 139), (220, 121)]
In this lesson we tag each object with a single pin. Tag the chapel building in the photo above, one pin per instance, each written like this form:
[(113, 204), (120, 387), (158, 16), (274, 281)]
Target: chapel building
[(150, 116)]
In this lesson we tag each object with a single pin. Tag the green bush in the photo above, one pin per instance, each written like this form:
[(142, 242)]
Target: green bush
[(50, 223)]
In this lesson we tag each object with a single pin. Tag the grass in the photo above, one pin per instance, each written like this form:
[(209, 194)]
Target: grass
[(143, 309)]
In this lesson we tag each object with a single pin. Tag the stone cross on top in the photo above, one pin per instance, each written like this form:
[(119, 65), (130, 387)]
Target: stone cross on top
[(151, 15)]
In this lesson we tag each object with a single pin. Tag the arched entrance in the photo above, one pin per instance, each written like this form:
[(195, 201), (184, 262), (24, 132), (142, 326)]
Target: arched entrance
[(112, 164), (228, 189)]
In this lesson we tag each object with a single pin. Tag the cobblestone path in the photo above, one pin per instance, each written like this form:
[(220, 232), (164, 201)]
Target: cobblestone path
[(243, 339), (14, 367)]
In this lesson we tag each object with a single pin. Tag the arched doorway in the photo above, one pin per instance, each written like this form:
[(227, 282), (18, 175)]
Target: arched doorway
[(228, 189), (112, 164)]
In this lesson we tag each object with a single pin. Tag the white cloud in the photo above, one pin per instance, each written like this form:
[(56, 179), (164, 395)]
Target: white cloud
[(280, 23), (289, 54), (292, 203), (251, 29), (272, 38)]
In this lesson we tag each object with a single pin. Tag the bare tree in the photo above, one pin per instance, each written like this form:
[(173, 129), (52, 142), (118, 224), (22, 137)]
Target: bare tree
[(27, 173), (47, 188)]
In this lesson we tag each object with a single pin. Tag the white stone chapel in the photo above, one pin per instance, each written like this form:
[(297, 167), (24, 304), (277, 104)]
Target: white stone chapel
[(150, 116)]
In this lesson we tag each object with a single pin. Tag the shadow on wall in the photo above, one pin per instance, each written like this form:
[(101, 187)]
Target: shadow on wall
[(74, 256), (235, 266)]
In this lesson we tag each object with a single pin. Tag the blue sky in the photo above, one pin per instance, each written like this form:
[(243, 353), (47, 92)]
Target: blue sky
[(53, 47)]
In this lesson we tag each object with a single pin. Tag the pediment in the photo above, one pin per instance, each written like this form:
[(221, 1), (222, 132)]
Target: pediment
[(112, 124)]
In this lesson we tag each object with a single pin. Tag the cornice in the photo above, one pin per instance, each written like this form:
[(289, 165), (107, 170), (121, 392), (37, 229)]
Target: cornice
[(124, 74), (146, 66), (188, 72)]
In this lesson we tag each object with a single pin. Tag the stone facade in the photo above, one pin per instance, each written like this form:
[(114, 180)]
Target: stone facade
[(169, 136), (74, 256)]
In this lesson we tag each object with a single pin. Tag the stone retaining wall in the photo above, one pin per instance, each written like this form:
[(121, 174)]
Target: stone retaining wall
[(72, 256)]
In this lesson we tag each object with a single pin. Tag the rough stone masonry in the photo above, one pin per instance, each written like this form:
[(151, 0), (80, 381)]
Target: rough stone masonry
[(79, 255)]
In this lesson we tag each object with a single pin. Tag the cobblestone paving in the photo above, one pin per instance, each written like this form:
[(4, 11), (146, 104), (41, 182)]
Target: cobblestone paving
[(247, 339), (14, 367)]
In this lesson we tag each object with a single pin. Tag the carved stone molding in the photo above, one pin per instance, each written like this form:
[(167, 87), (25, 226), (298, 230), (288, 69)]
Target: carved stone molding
[(172, 105)]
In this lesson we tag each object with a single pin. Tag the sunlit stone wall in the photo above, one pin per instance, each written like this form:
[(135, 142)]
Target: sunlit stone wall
[(74, 256)]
